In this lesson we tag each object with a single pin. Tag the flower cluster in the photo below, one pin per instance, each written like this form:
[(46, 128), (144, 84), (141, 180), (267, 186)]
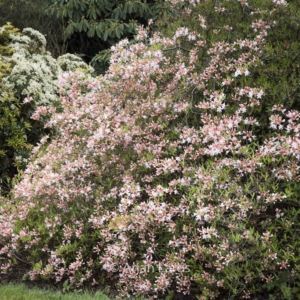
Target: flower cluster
[(35, 71)]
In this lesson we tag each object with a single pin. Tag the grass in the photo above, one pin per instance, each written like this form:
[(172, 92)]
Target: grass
[(21, 292)]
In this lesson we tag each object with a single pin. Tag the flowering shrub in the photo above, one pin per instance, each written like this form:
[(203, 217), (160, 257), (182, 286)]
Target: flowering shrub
[(177, 171), (28, 80)]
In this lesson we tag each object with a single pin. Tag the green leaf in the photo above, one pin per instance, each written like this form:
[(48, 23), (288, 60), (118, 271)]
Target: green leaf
[(100, 29), (91, 32), (116, 13), (118, 34), (85, 25), (78, 26), (105, 35), (94, 15), (98, 32), (70, 30), (129, 6)]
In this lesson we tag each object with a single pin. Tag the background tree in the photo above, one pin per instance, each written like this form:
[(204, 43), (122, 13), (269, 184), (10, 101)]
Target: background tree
[(88, 28), (27, 13), (93, 26)]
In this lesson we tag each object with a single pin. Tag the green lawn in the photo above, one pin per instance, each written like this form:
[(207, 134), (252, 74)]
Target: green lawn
[(21, 292)]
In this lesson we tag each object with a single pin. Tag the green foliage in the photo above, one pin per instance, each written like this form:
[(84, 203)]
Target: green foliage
[(14, 149), (27, 13), (95, 25)]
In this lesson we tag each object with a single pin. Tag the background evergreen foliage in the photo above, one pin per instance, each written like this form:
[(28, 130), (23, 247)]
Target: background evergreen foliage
[(88, 28), (93, 26), (31, 13)]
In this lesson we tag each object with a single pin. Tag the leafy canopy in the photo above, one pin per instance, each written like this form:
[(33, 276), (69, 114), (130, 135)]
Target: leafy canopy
[(95, 25)]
